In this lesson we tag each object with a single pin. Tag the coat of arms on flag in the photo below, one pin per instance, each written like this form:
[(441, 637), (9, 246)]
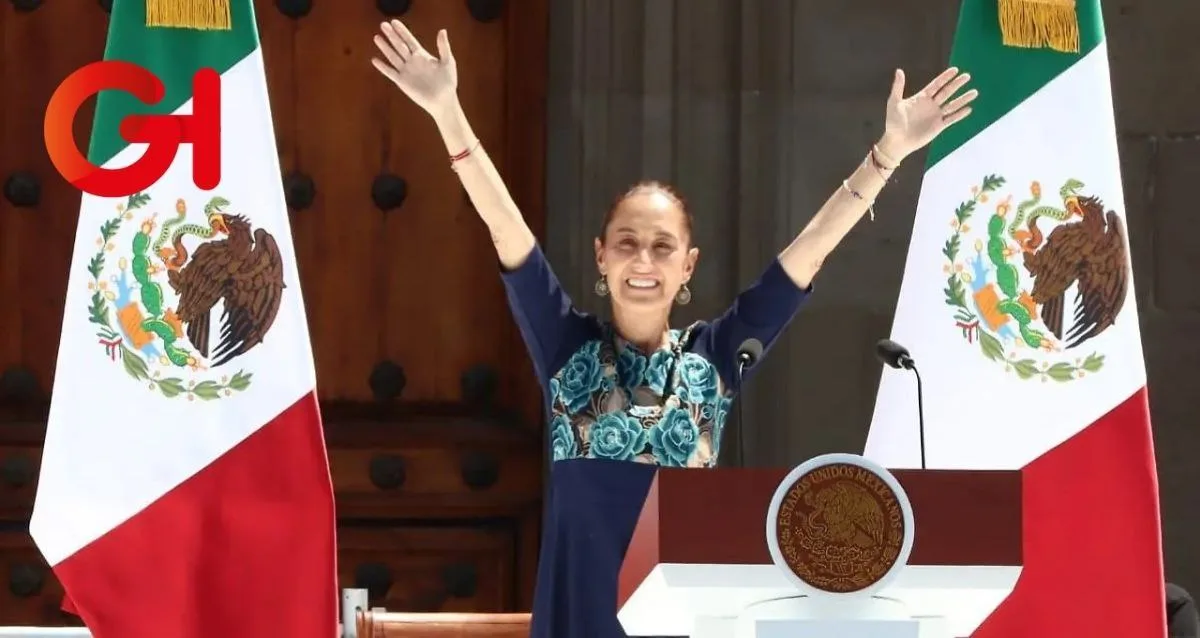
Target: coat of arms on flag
[(173, 279), (1025, 317), (1014, 260), (183, 521)]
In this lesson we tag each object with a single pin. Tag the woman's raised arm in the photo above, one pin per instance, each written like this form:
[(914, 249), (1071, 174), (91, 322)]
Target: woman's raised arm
[(432, 83), (911, 123)]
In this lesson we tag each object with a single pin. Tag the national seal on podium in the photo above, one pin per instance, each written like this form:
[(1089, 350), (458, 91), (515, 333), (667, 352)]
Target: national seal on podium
[(840, 524), (830, 547)]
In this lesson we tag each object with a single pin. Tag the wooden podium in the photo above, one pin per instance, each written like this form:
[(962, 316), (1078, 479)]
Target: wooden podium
[(379, 624), (699, 555)]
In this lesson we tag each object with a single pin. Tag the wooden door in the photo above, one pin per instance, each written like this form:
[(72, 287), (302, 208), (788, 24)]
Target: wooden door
[(431, 409)]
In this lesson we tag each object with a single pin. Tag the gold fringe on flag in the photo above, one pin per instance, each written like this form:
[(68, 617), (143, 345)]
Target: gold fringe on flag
[(206, 15), (1035, 24)]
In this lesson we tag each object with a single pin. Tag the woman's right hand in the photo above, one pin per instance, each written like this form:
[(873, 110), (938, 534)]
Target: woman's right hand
[(429, 81), (432, 83)]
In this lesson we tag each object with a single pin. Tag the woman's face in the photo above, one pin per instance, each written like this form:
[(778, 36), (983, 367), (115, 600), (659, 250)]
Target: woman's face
[(646, 252)]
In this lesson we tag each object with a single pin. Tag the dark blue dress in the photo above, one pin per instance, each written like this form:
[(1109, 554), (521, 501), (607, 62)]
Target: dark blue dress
[(614, 416)]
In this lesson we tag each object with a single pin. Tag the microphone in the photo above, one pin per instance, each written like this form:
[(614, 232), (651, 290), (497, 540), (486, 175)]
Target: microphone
[(896, 356), (748, 354)]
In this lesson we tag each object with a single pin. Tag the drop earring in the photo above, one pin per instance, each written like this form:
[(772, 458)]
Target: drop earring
[(684, 296), (601, 287)]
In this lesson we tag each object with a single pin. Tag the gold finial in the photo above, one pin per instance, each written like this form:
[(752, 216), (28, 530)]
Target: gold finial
[(206, 15), (1036, 24)]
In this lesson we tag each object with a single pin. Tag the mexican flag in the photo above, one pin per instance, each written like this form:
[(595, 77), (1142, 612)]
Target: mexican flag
[(185, 487), (1018, 306)]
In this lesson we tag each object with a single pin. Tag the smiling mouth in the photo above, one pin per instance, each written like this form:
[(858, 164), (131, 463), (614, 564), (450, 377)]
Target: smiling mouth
[(639, 283)]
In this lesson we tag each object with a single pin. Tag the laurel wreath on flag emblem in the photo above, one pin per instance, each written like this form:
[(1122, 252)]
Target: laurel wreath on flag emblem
[(1008, 290), (136, 312)]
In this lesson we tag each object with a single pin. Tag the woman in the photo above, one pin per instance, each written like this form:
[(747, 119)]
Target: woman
[(633, 389)]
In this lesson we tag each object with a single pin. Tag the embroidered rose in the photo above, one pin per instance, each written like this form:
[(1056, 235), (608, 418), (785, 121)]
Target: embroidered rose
[(674, 438), (656, 372), (631, 368), (562, 439), (580, 378), (698, 379), (616, 436)]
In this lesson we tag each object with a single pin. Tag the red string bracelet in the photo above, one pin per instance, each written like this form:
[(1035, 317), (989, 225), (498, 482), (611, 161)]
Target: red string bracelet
[(465, 154)]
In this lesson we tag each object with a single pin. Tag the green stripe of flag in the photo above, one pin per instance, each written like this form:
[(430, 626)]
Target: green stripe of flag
[(174, 55), (1005, 76)]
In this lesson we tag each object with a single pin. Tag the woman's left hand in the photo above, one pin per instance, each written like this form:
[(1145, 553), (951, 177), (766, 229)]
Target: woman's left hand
[(914, 121)]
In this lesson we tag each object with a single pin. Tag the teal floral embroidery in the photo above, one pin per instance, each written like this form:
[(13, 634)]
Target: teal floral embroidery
[(718, 424), (616, 436), (723, 406), (607, 383), (631, 368), (562, 439), (674, 437), (666, 409), (656, 373), (581, 377), (699, 378)]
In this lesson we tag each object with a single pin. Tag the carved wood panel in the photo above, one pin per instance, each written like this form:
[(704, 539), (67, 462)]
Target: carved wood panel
[(431, 409)]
